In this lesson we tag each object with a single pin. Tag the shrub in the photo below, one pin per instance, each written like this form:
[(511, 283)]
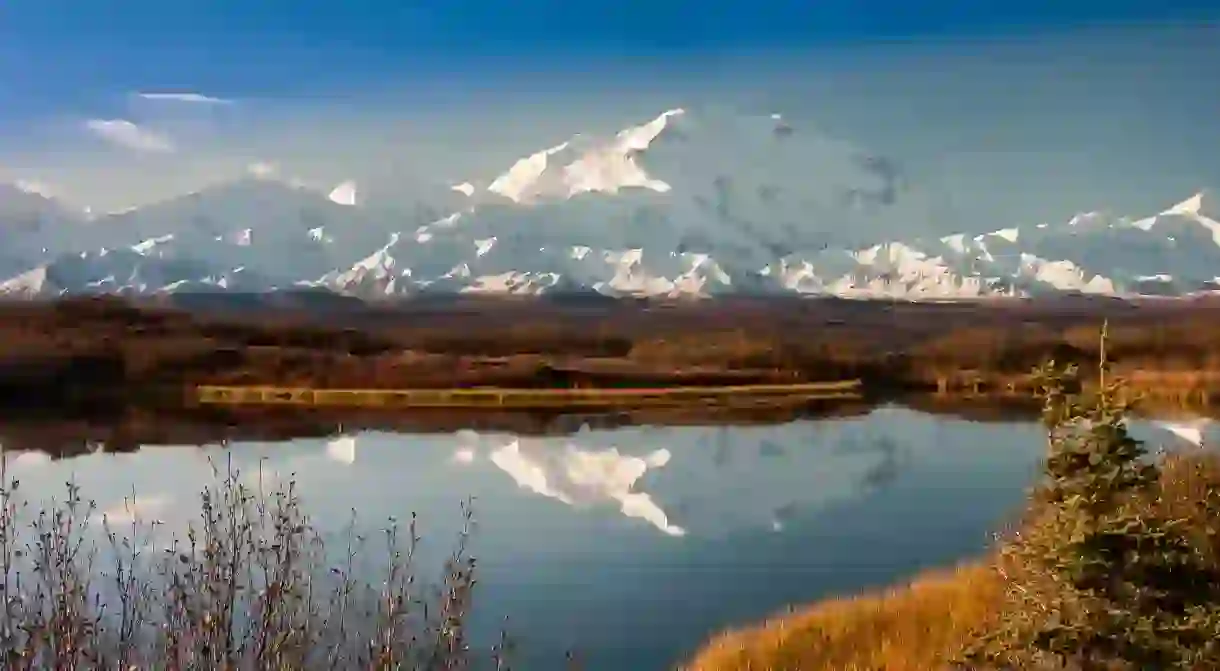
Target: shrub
[(249, 586), (1101, 576)]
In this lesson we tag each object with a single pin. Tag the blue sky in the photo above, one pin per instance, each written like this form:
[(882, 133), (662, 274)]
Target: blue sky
[(1091, 87), (58, 50)]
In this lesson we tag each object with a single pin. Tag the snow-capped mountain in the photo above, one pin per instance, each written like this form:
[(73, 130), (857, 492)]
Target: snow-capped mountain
[(690, 203), (33, 225)]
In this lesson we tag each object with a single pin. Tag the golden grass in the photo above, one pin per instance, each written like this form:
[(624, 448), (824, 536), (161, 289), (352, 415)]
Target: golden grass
[(522, 398), (915, 627)]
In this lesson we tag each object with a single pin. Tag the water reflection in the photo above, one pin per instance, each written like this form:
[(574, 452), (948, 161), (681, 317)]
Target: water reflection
[(630, 545), (1193, 431), (574, 475), (885, 471)]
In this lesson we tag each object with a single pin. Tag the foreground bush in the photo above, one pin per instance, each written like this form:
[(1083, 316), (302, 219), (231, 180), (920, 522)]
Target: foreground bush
[(1102, 575), (249, 586)]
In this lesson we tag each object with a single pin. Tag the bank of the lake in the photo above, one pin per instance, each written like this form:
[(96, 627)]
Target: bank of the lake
[(918, 626)]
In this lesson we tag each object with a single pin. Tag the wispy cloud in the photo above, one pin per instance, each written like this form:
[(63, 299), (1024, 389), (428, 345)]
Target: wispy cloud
[(184, 97), (124, 133)]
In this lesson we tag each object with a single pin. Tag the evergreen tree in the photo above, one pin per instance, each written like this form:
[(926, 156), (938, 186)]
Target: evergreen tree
[(1098, 577)]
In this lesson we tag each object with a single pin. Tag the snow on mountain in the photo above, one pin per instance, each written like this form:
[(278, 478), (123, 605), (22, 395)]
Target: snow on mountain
[(30, 284), (689, 203)]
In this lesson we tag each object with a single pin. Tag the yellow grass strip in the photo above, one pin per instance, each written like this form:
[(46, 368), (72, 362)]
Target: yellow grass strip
[(916, 627), (517, 398)]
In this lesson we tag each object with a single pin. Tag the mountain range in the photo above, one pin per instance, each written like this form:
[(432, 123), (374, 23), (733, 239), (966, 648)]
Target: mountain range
[(691, 203)]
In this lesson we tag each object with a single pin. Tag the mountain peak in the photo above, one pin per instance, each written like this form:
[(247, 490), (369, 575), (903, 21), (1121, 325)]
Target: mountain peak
[(1197, 205), (28, 192), (28, 198), (637, 138), (35, 188), (586, 165)]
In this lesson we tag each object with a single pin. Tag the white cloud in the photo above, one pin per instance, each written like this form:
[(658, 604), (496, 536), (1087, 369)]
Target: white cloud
[(124, 133), (184, 97)]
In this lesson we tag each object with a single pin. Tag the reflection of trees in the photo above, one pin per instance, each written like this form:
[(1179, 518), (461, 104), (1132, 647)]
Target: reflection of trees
[(893, 457), (883, 474), (58, 449), (69, 445), (723, 448), (770, 448), (128, 429), (981, 410)]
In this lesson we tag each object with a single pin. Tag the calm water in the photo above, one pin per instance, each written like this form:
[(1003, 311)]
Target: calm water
[(633, 546)]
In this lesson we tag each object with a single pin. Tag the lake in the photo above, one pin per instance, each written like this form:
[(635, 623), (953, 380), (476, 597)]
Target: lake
[(632, 546)]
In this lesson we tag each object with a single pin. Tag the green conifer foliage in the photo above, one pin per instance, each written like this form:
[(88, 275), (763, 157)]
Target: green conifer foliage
[(1099, 577)]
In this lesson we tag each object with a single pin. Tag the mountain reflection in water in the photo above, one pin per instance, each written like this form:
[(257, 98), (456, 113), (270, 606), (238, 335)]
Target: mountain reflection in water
[(649, 535), (574, 475)]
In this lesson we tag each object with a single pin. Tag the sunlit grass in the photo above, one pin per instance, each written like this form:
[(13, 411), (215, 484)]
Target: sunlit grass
[(910, 628)]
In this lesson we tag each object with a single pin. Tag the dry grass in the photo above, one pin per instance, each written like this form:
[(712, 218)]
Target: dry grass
[(86, 350), (915, 627), (922, 626), (250, 585), (727, 396)]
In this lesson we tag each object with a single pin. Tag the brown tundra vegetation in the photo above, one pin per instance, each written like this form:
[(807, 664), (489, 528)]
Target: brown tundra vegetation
[(109, 348)]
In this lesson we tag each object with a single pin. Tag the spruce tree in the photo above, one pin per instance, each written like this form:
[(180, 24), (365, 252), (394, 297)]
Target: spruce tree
[(1098, 577)]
